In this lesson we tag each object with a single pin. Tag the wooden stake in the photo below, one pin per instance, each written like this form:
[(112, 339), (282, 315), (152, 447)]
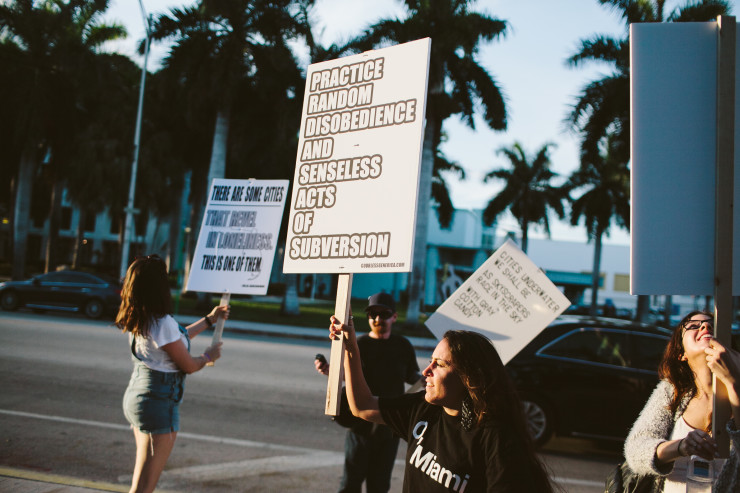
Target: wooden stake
[(336, 360), (219, 330), (724, 216)]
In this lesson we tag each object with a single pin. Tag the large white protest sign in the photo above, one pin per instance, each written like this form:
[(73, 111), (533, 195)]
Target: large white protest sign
[(357, 171), (674, 152), (238, 236), (508, 299)]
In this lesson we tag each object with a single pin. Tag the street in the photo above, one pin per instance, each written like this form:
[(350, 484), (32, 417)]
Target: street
[(253, 422)]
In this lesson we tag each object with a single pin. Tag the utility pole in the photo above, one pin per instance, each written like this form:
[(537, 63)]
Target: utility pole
[(128, 228)]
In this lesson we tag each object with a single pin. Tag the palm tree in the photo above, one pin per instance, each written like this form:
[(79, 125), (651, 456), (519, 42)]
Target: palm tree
[(458, 85), (51, 46), (440, 193), (218, 47), (221, 45), (102, 158), (605, 186), (528, 193), (602, 108)]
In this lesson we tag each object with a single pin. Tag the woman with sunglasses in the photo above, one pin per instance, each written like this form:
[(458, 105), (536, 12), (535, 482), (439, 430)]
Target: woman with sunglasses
[(466, 432), (160, 350), (676, 421)]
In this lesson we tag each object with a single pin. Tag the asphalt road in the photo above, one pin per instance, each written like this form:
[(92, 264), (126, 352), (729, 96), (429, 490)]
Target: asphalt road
[(254, 422)]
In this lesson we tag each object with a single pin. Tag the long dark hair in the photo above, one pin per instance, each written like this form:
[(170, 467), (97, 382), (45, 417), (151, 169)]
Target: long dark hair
[(494, 396), (674, 369), (145, 295)]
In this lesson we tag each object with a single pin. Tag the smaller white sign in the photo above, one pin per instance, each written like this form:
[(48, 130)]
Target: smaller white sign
[(508, 299), (238, 236)]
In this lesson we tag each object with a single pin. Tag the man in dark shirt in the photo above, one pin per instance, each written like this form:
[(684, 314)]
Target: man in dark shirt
[(388, 361)]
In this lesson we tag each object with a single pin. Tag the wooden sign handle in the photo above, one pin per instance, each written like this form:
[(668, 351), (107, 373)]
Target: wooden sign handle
[(219, 330), (336, 360)]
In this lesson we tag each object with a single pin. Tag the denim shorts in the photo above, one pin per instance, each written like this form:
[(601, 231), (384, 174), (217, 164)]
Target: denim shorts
[(152, 399)]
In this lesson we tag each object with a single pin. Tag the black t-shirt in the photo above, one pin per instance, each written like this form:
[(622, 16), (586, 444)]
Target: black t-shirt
[(443, 457), (387, 364)]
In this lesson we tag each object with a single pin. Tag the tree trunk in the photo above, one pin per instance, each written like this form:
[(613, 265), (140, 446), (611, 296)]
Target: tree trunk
[(173, 239), (418, 271), (525, 236), (52, 239), (21, 213), (643, 305), (188, 241), (216, 169), (667, 309), (121, 225), (79, 237), (290, 305), (595, 276)]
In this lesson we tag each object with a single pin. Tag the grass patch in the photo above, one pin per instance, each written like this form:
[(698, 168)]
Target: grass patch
[(314, 313)]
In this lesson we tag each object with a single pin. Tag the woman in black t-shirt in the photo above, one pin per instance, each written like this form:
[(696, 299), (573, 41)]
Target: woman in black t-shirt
[(466, 432)]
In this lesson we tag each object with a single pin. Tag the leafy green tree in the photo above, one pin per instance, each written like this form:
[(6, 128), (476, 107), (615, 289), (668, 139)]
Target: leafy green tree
[(220, 46), (172, 145), (458, 85), (222, 49), (52, 46), (604, 199), (440, 194), (602, 107), (528, 194), (102, 147)]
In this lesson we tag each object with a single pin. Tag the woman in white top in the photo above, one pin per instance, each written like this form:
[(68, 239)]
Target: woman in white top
[(676, 421), (160, 352)]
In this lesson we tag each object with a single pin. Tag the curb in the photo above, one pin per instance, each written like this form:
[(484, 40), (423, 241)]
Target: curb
[(294, 332)]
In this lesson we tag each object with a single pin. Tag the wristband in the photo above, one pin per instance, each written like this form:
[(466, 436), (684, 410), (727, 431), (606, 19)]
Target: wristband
[(208, 358), (208, 322)]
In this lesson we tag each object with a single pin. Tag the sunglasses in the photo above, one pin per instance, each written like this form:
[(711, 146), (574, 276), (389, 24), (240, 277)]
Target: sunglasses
[(696, 324), (383, 314)]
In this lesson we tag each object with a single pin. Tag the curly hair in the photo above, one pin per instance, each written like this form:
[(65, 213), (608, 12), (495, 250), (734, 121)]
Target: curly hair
[(491, 390), (674, 369), (145, 295)]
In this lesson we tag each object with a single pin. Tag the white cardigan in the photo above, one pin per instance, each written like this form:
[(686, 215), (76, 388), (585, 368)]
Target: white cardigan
[(654, 426)]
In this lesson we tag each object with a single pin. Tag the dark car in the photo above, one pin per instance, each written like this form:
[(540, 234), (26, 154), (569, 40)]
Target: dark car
[(66, 290), (588, 377)]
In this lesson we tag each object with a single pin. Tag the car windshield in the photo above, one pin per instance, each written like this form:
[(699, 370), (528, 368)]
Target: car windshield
[(593, 345)]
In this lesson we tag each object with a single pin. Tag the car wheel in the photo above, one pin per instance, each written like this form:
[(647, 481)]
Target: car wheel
[(539, 421), (93, 309), (10, 300)]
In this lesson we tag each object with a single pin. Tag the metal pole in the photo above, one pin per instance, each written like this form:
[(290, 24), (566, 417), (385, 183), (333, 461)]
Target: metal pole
[(130, 211), (724, 216)]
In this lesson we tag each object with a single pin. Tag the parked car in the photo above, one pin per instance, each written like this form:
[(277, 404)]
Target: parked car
[(66, 290), (587, 377)]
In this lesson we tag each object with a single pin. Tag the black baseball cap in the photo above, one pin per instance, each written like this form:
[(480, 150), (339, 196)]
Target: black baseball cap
[(381, 300)]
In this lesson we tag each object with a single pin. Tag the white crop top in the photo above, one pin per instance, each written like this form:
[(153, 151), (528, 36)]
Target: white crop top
[(149, 349)]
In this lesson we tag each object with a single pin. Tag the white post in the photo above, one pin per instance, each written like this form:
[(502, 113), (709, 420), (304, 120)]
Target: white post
[(336, 366), (219, 329)]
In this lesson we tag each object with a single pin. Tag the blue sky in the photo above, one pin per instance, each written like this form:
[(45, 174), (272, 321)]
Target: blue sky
[(528, 64)]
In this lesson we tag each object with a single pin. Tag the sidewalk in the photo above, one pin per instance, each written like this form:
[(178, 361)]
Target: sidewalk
[(23, 481)]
